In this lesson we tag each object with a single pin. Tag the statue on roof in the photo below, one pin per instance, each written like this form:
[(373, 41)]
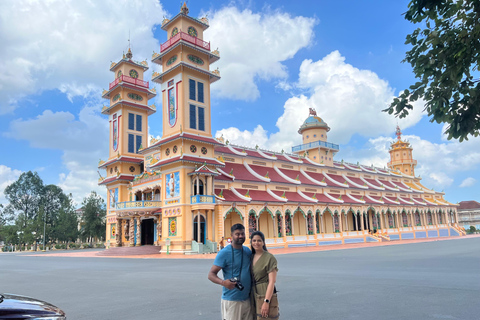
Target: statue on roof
[(184, 8), (129, 54), (312, 111)]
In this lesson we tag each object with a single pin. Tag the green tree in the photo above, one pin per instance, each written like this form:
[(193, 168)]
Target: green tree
[(445, 56), (472, 229), (25, 196), (94, 213), (66, 227), (53, 201)]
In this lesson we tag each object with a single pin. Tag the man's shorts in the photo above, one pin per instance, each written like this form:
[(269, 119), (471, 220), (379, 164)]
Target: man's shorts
[(237, 310)]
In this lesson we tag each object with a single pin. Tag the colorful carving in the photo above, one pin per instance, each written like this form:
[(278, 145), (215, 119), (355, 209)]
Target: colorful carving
[(174, 31), (192, 31), (172, 226), (172, 60), (172, 185), (135, 96), (116, 97), (195, 59), (172, 107), (133, 73)]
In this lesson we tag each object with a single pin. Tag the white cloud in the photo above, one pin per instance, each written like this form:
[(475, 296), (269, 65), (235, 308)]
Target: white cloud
[(438, 163), (7, 177), (350, 100), (83, 141), (66, 45), (468, 182), (253, 46)]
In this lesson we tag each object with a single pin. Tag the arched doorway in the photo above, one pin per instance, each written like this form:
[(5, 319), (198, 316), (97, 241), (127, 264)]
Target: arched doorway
[(147, 232), (265, 223), (310, 223), (202, 228), (279, 224), (233, 216)]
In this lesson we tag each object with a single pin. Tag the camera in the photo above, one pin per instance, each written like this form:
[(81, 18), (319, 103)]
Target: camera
[(238, 284)]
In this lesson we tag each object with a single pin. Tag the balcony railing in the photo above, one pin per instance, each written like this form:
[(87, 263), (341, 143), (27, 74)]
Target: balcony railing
[(315, 144), (128, 79), (200, 199), (138, 204), (186, 37)]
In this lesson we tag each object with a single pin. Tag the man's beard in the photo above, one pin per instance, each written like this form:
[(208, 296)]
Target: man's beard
[(239, 241)]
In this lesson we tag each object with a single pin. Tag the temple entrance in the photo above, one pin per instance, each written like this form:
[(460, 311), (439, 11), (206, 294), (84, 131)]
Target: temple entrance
[(202, 229), (147, 231)]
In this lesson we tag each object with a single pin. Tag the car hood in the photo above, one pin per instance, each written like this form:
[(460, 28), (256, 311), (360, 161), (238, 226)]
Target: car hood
[(21, 307)]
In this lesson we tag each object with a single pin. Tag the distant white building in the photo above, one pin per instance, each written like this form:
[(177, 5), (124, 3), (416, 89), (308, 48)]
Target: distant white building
[(469, 214)]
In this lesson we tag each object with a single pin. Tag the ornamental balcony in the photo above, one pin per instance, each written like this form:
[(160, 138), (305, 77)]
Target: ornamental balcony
[(315, 144), (202, 199), (186, 37), (145, 204), (130, 80)]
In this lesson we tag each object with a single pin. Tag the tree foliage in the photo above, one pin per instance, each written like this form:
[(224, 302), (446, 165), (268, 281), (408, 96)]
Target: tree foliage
[(94, 213), (445, 56)]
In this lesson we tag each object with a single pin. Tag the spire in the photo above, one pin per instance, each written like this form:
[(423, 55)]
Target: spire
[(398, 133)]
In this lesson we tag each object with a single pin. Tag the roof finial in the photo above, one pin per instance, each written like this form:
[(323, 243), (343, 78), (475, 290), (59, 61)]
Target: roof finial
[(184, 8), (312, 111), (398, 133)]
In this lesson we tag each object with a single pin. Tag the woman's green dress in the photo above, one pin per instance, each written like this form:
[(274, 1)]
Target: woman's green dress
[(264, 265)]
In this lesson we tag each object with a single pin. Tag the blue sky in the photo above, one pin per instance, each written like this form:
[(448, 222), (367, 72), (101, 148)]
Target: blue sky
[(278, 58)]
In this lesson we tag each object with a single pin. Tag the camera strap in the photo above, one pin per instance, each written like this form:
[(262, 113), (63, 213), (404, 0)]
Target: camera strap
[(233, 264)]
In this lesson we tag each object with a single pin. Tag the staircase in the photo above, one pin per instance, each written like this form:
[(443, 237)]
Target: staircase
[(130, 251)]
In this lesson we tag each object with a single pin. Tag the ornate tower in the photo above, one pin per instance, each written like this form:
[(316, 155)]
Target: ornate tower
[(128, 113), (401, 158), (185, 153), (314, 137)]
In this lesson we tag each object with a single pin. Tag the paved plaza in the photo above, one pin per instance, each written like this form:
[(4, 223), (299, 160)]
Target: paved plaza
[(429, 280)]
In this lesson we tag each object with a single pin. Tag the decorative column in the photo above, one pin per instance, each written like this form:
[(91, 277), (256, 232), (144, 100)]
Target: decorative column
[(361, 221), (139, 231), (132, 232), (198, 185), (118, 233), (198, 227), (322, 229)]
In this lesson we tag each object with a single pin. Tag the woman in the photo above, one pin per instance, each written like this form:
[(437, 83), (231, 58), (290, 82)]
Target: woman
[(264, 275)]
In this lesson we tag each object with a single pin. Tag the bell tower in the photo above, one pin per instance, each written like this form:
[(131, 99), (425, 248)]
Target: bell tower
[(127, 112), (186, 77), (401, 157)]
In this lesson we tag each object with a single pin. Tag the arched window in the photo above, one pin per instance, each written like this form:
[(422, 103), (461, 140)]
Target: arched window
[(200, 189)]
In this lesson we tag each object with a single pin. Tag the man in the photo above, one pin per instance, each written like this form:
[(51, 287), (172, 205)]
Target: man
[(234, 261), (221, 243)]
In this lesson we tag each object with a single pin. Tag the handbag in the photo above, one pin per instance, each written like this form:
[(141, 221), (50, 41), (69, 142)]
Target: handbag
[(273, 312)]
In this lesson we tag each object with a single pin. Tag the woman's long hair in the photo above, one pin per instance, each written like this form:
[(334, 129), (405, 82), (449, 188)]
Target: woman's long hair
[(257, 233)]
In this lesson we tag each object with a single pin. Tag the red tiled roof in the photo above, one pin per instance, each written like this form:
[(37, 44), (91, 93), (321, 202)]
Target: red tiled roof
[(292, 174), (229, 196), (400, 186), (187, 136), (388, 184), (258, 195), (320, 177), (272, 174), (468, 205), (121, 159), (368, 201), (320, 197), (337, 178), (222, 149), (373, 182), (357, 181), (188, 158), (223, 178), (120, 177), (240, 172)]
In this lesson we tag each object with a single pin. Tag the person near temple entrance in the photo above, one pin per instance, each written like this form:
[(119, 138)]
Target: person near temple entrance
[(222, 245), (234, 261)]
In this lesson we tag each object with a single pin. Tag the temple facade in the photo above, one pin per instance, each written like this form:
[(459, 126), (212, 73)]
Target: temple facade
[(187, 189)]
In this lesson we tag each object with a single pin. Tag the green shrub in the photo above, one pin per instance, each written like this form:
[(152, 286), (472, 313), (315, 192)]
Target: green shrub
[(472, 229)]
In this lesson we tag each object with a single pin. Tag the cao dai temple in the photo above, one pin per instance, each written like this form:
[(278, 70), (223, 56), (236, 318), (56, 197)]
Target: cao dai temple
[(188, 188)]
